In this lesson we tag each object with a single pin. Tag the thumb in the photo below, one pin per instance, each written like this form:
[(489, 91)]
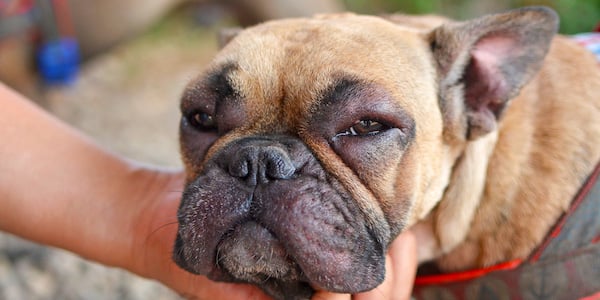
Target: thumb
[(401, 267)]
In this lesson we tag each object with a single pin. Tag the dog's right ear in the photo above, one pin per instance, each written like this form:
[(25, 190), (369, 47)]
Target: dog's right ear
[(484, 63), (225, 35)]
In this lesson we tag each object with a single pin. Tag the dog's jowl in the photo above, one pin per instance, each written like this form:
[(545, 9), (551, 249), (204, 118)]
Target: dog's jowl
[(309, 144)]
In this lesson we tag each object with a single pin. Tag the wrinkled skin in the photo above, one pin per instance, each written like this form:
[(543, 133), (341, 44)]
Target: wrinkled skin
[(280, 222)]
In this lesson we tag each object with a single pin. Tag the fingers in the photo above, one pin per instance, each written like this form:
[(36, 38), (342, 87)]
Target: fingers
[(196, 287), (403, 253), (322, 295), (401, 267)]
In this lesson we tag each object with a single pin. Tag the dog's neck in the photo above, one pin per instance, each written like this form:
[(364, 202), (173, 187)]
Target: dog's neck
[(448, 223), (572, 245)]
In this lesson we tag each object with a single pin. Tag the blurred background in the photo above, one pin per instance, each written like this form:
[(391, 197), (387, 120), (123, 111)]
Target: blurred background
[(115, 70), (576, 15)]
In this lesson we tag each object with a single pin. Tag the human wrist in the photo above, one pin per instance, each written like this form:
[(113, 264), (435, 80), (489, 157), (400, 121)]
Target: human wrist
[(154, 221)]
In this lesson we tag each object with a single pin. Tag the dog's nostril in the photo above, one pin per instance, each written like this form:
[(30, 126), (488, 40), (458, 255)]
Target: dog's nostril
[(259, 164), (278, 164), (240, 166)]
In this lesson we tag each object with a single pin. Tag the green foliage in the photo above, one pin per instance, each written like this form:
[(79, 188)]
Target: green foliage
[(576, 15)]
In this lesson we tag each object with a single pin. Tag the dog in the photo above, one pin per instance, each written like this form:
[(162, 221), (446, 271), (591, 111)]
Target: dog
[(309, 144)]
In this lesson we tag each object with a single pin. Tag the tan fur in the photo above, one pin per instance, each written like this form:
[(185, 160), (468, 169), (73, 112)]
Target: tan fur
[(549, 142), (473, 203), (556, 118)]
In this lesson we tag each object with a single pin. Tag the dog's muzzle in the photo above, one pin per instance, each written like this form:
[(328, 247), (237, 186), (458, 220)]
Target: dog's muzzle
[(264, 211)]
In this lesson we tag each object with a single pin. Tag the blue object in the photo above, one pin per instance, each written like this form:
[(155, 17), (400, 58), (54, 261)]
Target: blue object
[(58, 61), (590, 40)]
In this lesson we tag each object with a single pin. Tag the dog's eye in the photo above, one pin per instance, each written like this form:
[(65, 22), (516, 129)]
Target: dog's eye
[(363, 128), (202, 121)]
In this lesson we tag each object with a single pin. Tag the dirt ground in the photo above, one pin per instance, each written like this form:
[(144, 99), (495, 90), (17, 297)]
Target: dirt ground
[(127, 100)]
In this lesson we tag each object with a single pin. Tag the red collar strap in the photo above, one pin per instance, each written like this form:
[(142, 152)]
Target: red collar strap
[(565, 266), (465, 275)]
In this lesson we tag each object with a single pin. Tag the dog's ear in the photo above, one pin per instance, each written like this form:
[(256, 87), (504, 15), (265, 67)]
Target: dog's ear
[(225, 35), (483, 63)]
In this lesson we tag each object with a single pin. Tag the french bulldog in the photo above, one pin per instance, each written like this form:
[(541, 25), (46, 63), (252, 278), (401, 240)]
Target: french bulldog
[(309, 144)]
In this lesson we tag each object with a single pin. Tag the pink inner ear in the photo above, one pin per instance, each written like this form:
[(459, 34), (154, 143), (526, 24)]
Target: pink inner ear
[(496, 45), (486, 85)]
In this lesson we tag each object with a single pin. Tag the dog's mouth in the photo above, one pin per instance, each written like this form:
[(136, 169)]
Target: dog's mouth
[(287, 235), (308, 241), (251, 253)]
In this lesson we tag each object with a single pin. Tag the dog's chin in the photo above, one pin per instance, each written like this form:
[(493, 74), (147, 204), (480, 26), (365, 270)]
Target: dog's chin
[(250, 253)]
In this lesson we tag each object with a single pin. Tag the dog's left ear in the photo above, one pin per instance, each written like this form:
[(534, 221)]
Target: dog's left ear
[(483, 63)]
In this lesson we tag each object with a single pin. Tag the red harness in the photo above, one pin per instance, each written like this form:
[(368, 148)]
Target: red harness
[(565, 266)]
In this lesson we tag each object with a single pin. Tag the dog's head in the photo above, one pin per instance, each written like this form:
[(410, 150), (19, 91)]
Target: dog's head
[(309, 144)]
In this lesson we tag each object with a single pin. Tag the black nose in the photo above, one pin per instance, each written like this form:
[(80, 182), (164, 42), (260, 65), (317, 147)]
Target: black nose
[(260, 162)]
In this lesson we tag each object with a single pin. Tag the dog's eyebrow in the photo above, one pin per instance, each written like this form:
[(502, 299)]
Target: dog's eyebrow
[(215, 87), (341, 90), (220, 83)]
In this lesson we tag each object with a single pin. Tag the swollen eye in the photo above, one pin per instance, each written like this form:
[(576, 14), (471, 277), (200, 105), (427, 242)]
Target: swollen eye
[(363, 128), (202, 121)]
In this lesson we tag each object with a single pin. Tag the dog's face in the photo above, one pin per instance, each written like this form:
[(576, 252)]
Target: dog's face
[(309, 144)]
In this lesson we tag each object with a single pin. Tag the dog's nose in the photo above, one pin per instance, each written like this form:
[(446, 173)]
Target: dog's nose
[(261, 163)]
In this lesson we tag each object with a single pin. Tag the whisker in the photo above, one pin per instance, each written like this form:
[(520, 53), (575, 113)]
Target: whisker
[(155, 231), (219, 257), (163, 226)]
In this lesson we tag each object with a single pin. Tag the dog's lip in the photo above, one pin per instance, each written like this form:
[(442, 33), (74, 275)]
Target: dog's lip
[(311, 219), (252, 250)]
